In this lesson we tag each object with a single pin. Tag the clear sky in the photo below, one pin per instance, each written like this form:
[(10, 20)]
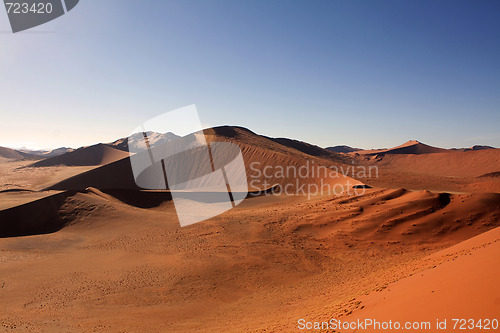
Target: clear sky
[(362, 73)]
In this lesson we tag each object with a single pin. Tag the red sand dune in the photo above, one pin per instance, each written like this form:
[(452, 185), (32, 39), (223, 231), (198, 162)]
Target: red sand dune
[(280, 145), (408, 217), (258, 152)]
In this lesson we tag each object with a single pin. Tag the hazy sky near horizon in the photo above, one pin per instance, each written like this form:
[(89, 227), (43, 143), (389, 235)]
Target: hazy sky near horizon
[(362, 73)]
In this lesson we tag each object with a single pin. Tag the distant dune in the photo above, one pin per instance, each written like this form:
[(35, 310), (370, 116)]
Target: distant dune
[(47, 153), (99, 154), (477, 147), (12, 154), (452, 163), (342, 149), (472, 171), (411, 147), (306, 147)]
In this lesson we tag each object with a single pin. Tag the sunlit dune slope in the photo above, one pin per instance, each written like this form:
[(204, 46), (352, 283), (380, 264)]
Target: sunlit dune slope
[(463, 286)]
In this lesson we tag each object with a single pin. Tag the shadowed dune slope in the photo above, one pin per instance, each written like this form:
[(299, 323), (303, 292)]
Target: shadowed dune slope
[(98, 154), (115, 175), (36, 217), (495, 174)]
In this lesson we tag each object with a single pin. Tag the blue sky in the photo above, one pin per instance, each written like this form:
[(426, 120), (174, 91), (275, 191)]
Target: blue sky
[(362, 73)]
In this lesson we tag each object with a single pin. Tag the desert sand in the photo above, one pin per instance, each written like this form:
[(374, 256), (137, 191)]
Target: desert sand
[(82, 249)]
